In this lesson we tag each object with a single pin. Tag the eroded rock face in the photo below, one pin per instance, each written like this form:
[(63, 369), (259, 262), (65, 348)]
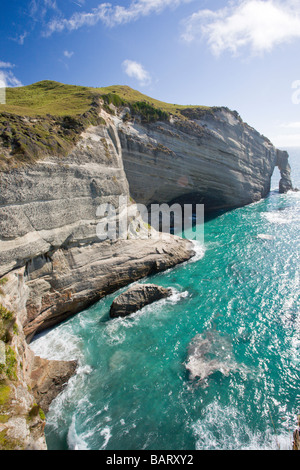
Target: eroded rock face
[(51, 257), (48, 379), (48, 228), (74, 279), (285, 184), (28, 383), (136, 298), (214, 158)]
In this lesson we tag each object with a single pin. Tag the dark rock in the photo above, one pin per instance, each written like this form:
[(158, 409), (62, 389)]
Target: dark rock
[(285, 183), (136, 298), (48, 379)]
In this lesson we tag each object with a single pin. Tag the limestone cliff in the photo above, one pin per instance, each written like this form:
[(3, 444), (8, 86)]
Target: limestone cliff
[(56, 172), (211, 157), (23, 397), (53, 265), (48, 220)]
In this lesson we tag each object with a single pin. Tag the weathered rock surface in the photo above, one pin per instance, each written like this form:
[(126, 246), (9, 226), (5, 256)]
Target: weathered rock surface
[(28, 383), (55, 265), (48, 379), (214, 158), (136, 298), (48, 231), (296, 436), (285, 184)]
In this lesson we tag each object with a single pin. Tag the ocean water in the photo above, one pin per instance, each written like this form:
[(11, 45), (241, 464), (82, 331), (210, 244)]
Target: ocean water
[(216, 366)]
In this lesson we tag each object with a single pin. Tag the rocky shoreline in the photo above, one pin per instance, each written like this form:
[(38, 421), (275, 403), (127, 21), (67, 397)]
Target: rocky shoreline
[(53, 265)]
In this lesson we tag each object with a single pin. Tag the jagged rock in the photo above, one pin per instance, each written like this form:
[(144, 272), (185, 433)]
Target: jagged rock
[(28, 384), (22, 421), (136, 298), (48, 378), (285, 183)]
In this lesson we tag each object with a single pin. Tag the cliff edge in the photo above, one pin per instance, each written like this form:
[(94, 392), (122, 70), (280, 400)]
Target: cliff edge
[(64, 152)]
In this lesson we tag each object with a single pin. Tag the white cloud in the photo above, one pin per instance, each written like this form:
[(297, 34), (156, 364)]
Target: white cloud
[(111, 15), (7, 78), (78, 20), (135, 70), (6, 65), (38, 9), (20, 39), (286, 140), (291, 125), (68, 54), (258, 24)]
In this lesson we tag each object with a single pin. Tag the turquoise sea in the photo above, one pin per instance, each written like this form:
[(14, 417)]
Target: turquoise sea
[(234, 317)]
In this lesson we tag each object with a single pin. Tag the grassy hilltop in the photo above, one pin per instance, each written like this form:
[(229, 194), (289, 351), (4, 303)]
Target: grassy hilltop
[(47, 118), (57, 99)]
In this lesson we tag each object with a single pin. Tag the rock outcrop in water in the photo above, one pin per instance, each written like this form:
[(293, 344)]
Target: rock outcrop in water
[(208, 353), (136, 298), (285, 184)]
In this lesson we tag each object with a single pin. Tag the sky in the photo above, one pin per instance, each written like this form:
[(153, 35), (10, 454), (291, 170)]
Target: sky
[(243, 54)]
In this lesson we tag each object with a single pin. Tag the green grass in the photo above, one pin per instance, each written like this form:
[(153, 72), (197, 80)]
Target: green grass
[(47, 118), (4, 394), (133, 96), (56, 99), (7, 443), (48, 97), (7, 322)]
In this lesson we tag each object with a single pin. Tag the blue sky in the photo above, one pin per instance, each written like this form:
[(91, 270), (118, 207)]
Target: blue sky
[(243, 54)]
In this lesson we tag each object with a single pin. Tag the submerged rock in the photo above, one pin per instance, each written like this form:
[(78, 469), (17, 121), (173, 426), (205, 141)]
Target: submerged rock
[(209, 353), (136, 298)]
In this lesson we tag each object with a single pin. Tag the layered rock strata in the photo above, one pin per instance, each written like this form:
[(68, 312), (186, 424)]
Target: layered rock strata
[(211, 158), (48, 227), (28, 384), (52, 262)]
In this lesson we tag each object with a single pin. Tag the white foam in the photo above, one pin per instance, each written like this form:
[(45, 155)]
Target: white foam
[(281, 217), (75, 441), (176, 296), (199, 248), (225, 428), (106, 433), (58, 345), (265, 236)]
